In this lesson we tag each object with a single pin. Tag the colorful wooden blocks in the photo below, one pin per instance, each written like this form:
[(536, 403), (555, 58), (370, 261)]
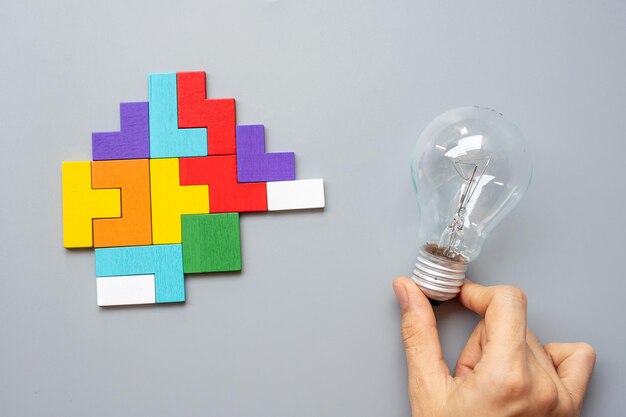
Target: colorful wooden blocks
[(164, 261), (226, 194), (166, 139), (163, 195), (134, 227), (216, 115), (82, 204), (170, 200)]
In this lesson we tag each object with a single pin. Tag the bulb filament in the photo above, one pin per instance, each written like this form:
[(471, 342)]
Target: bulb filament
[(456, 226)]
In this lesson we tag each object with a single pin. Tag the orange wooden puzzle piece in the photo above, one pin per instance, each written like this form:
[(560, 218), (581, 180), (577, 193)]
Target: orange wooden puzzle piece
[(134, 228)]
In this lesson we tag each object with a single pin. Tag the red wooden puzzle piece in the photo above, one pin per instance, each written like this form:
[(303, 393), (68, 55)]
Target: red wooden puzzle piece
[(226, 195), (216, 115)]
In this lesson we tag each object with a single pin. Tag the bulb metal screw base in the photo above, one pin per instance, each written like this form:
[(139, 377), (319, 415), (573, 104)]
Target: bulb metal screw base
[(438, 277)]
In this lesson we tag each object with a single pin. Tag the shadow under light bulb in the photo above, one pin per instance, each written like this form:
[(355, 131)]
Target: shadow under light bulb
[(470, 167)]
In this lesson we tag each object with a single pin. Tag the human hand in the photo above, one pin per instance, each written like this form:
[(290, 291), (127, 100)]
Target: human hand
[(503, 369)]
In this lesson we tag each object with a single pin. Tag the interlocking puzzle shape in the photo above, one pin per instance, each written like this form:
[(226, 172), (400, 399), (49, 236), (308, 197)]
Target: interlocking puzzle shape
[(162, 196)]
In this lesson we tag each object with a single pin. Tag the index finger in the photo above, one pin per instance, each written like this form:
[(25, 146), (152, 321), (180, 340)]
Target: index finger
[(504, 310)]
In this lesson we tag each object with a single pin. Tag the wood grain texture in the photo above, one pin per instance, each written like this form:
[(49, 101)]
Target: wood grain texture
[(166, 139), (164, 261), (125, 290), (211, 243), (170, 200), (254, 164), (134, 228), (293, 195), (216, 115), (133, 139), (82, 204), (226, 194)]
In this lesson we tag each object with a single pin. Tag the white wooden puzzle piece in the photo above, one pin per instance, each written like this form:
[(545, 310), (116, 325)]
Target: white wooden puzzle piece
[(294, 195), (125, 290)]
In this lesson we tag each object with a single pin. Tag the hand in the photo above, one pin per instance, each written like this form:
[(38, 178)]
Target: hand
[(503, 369)]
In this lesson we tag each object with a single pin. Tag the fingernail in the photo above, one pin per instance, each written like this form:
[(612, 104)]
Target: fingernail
[(401, 294)]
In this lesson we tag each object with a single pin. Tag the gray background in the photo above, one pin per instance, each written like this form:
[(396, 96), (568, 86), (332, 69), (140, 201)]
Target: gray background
[(310, 327)]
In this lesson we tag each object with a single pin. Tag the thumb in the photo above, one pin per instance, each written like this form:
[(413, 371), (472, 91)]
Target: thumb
[(419, 331)]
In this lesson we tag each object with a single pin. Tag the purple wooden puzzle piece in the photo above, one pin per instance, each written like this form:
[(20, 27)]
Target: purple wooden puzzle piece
[(254, 165), (133, 139)]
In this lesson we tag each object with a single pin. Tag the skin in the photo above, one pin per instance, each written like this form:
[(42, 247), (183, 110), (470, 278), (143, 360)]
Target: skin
[(502, 371)]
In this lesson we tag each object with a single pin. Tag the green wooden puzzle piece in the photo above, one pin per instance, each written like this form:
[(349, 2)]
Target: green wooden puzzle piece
[(211, 243)]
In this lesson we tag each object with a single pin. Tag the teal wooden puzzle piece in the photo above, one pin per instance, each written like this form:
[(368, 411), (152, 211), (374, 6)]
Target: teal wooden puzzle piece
[(166, 139), (211, 243), (164, 261)]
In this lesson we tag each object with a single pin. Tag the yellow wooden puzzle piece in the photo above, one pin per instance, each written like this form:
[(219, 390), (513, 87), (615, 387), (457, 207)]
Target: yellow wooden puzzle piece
[(170, 200), (82, 204)]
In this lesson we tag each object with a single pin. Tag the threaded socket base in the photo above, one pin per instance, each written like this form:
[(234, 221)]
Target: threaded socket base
[(438, 277)]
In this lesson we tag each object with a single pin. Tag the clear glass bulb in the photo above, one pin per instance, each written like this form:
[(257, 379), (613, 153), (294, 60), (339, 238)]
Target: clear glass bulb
[(470, 167)]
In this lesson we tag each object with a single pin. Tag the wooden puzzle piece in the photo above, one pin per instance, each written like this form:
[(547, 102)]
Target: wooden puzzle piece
[(164, 261), (134, 228), (254, 165), (216, 115), (166, 139), (125, 290), (292, 195), (82, 204), (225, 193), (170, 200), (211, 243), (133, 139)]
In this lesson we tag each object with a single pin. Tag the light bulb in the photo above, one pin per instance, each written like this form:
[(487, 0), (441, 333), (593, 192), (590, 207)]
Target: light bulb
[(470, 167)]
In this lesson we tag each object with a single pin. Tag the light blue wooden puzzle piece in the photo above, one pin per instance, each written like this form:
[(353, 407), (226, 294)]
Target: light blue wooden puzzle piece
[(166, 139), (164, 261)]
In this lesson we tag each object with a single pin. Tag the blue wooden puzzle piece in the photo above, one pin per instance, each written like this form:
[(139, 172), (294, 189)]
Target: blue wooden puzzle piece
[(164, 261), (166, 139)]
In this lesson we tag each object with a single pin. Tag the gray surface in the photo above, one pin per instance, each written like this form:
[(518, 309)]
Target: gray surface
[(310, 327)]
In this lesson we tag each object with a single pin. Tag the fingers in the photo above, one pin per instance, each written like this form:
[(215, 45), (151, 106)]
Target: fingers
[(540, 355), (574, 363), (504, 310), (472, 352), (549, 388), (419, 332)]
